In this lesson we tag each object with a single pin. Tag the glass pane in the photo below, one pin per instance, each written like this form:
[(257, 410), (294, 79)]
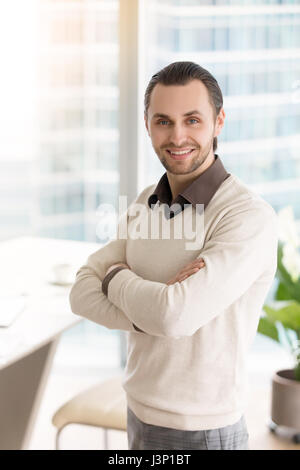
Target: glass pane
[(255, 59), (61, 116), (59, 134)]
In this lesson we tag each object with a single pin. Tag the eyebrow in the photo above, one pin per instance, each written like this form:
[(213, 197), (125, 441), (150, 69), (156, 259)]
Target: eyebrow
[(189, 113)]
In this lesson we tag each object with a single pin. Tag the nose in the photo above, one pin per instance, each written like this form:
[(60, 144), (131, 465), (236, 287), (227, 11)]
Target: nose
[(178, 136)]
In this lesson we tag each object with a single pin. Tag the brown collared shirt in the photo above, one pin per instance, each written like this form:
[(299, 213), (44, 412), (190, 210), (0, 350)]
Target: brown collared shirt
[(200, 191)]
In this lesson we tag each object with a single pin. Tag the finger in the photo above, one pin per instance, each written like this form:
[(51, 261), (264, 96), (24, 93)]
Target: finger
[(192, 271), (172, 281), (187, 269), (197, 261), (194, 263)]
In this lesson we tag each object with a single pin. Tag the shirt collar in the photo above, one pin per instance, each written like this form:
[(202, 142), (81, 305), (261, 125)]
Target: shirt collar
[(200, 191)]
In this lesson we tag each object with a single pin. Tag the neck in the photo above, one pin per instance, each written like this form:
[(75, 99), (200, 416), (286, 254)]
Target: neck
[(179, 182)]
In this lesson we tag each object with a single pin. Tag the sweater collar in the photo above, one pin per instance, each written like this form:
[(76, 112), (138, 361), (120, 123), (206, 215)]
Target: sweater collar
[(200, 191)]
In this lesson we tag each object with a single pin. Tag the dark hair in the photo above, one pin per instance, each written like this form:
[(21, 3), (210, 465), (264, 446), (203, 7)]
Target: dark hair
[(181, 73)]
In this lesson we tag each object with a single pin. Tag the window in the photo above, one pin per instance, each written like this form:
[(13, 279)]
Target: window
[(257, 86)]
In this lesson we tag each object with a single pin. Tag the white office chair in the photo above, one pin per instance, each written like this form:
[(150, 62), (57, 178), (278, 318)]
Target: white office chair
[(104, 405)]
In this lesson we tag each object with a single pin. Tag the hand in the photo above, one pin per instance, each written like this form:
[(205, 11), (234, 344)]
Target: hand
[(113, 266), (188, 270)]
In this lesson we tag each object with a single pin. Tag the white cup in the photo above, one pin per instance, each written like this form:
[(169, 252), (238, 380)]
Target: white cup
[(63, 273)]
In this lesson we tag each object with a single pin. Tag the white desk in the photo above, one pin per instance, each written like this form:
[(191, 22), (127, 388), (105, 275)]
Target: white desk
[(25, 267)]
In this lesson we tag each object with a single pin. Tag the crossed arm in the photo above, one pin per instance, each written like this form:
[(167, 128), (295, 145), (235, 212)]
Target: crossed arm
[(182, 274), (237, 254), (86, 296)]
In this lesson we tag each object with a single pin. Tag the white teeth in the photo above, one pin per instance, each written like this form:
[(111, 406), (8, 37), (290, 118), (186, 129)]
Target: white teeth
[(181, 153)]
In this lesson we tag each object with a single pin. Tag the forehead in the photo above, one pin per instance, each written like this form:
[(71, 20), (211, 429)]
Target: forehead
[(173, 100)]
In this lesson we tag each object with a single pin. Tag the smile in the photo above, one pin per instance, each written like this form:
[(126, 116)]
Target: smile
[(181, 156)]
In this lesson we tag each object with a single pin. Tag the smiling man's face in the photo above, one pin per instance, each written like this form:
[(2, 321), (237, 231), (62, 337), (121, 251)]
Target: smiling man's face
[(171, 130)]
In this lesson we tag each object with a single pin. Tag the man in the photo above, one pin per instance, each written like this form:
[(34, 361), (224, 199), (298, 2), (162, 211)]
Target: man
[(191, 313)]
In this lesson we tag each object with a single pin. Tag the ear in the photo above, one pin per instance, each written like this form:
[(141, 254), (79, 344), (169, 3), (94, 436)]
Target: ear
[(220, 122)]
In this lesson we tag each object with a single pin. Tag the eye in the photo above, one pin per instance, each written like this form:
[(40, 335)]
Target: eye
[(192, 119)]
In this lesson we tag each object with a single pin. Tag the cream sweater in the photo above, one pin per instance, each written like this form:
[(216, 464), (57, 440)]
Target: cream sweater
[(188, 368)]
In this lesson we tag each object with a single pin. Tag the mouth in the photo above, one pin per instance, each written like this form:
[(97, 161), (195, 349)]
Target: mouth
[(181, 156)]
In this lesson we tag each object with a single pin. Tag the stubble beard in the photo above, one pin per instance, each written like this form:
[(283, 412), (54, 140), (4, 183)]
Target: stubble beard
[(185, 167)]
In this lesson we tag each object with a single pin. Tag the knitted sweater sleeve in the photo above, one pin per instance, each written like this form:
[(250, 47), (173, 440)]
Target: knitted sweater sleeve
[(88, 297), (242, 250)]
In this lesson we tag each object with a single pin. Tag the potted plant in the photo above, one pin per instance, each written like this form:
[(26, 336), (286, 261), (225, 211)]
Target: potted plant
[(281, 323)]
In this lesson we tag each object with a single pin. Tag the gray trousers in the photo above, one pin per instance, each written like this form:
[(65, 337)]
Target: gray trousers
[(143, 436)]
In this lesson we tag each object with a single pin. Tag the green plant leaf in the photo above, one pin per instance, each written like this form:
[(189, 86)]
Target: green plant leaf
[(291, 288), (287, 312), (282, 293), (297, 371), (266, 327)]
